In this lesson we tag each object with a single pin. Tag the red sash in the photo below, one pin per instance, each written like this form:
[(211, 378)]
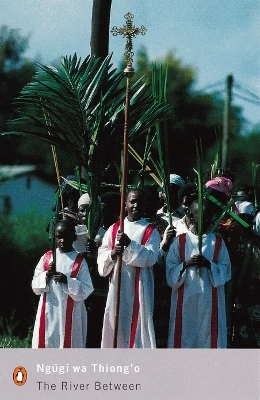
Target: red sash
[(114, 232), (69, 308), (178, 316), (214, 303), (136, 305), (214, 306)]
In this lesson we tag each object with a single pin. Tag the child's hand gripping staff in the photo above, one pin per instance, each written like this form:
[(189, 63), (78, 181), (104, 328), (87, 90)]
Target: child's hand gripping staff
[(58, 277)]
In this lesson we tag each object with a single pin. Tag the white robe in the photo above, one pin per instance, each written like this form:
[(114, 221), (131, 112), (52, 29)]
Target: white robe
[(78, 289), (180, 226), (135, 255), (80, 244), (192, 315)]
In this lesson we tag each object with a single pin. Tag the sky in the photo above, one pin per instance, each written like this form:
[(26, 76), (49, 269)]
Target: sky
[(216, 37)]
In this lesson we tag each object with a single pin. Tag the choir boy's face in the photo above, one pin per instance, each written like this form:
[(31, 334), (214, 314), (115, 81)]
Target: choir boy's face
[(135, 205), (65, 238)]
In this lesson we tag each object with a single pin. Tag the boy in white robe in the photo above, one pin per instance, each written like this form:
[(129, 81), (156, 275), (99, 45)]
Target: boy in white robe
[(139, 246), (198, 315), (61, 320)]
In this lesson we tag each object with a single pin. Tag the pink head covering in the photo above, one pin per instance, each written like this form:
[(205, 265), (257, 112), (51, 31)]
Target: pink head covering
[(221, 184)]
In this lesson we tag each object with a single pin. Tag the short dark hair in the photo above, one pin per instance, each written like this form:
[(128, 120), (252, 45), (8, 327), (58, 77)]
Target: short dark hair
[(111, 199), (66, 223), (141, 191), (187, 190)]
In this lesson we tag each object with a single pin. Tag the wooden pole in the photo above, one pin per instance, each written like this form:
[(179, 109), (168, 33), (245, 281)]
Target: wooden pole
[(226, 120), (128, 31), (122, 206)]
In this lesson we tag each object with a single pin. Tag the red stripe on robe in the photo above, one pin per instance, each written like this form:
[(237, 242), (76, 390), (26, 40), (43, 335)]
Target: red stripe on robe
[(69, 308), (70, 304), (214, 312), (114, 232), (178, 315), (136, 305), (42, 327)]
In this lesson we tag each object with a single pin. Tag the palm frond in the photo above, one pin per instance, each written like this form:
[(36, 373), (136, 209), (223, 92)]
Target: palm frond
[(216, 166), (145, 165), (78, 180), (76, 185), (159, 85), (255, 173), (84, 105), (199, 172), (52, 230)]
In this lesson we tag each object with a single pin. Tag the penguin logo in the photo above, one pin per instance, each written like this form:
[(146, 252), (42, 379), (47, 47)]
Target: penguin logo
[(19, 376)]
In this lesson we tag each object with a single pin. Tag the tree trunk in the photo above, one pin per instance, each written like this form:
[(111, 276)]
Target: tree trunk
[(99, 41), (226, 120)]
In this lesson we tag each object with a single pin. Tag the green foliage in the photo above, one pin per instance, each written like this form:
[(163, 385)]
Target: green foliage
[(24, 232), (23, 240), (42, 157), (8, 339), (242, 152), (15, 72), (14, 342), (13, 45), (159, 86), (195, 114), (255, 174), (8, 325), (200, 174), (79, 107), (240, 161)]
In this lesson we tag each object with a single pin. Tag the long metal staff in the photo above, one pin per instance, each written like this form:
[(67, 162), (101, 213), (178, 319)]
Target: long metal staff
[(128, 31)]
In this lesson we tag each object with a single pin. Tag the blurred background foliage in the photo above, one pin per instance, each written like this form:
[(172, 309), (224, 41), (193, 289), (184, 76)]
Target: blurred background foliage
[(23, 239), (200, 114), (194, 114)]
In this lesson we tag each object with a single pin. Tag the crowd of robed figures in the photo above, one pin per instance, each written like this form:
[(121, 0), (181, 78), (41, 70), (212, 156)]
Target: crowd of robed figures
[(175, 292)]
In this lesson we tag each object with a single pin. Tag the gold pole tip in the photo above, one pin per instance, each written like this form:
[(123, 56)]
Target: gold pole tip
[(129, 71)]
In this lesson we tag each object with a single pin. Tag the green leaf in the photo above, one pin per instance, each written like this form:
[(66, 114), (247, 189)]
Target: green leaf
[(76, 185)]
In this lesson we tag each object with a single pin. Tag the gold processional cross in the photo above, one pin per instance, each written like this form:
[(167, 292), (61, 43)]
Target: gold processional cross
[(129, 31)]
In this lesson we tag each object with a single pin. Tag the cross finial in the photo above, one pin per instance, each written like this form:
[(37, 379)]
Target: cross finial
[(129, 31)]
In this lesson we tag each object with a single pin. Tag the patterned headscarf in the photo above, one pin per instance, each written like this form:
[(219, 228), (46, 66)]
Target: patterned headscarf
[(221, 184)]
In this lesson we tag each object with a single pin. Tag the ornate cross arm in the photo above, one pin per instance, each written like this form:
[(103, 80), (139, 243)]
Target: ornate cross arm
[(129, 31)]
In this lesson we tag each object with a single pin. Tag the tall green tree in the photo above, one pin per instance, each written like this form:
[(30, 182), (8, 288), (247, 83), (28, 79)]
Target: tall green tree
[(243, 151), (15, 71), (195, 114)]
